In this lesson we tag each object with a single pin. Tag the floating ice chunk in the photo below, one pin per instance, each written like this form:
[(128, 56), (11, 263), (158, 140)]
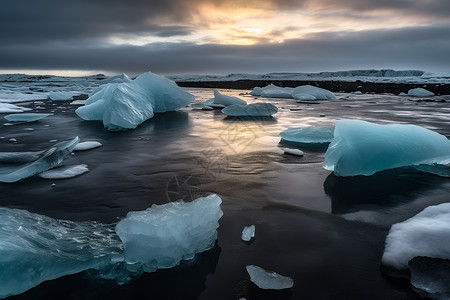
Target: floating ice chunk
[(78, 102), (318, 93), (60, 96), (88, 145), (35, 248), (256, 91), (364, 148), (13, 140), (273, 91), (47, 160), (227, 100), (297, 152), (6, 108), (251, 110), (268, 279), (311, 135), (163, 235), (26, 117), (65, 172), (304, 97), (431, 276), (126, 105), (425, 234), (420, 92), (248, 233)]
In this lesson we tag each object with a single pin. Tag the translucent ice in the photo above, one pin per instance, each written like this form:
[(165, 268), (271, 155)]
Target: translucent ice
[(88, 145), (64, 172), (48, 159), (309, 135), (251, 110), (163, 235), (425, 234), (248, 233), (301, 93), (6, 108), (420, 92), (26, 117), (364, 148), (125, 105), (60, 96), (268, 279), (273, 91), (296, 152), (227, 100)]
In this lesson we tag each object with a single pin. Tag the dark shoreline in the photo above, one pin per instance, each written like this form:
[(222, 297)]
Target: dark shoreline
[(333, 86)]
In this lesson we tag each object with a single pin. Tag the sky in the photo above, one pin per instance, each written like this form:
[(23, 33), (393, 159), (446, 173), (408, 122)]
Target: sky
[(222, 36)]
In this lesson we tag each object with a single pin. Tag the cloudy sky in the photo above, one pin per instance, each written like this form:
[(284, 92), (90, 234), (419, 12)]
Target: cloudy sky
[(223, 36)]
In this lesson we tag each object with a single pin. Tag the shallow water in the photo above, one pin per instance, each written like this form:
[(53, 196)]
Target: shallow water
[(325, 232)]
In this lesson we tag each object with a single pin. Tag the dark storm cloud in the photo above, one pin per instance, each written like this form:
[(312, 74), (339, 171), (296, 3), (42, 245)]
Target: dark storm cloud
[(409, 48)]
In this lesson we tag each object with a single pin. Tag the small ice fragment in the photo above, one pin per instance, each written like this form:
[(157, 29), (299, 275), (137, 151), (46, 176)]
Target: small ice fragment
[(227, 100), (12, 140), (78, 102), (297, 152), (53, 141), (248, 233), (357, 93), (29, 129), (268, 279), (26, 117), (88, 145), (420, 92), (65, 172), (53, 184)]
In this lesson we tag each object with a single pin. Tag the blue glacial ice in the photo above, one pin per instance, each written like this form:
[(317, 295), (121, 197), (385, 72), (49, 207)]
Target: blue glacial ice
[(301, 93), (26, 117), (251, 110), (425, 234), (35, 248), (123, 106), (272, 91), (60, 96), (308, 136), (420, 92), (14, 170), (164, 235), (364, 148), (227, 100), (268, 279), (65, 172)]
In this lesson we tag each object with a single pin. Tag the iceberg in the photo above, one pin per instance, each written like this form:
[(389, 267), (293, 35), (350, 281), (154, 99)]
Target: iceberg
[(364, 148), (20, 166), (6, 108), (269, 279), (123, 106), (248, 233), (308, 136), (227, 100), (273, 91), (425, 234), (35, 248), (88, 145), (309, 92), (26, 117), (420, 92), (60, 96), (64, 172), (251, 110), (164, 235)]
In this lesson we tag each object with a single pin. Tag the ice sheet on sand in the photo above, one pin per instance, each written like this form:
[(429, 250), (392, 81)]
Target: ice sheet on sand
[(164, 235), (26, 117), (35, 248), (425, 234), (364, 148), (60, 96), (88, 145), (296, 152), (310, 135), (126, 105), (65, 172), (420, 92), (48, 159), (227, 100), (6, 108), (268, 279), (248, 233), (302, 93), (251, 110)]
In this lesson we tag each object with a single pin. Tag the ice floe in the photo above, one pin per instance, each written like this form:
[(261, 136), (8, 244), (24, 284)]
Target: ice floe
[(300, 93), (251, 110), (364, 148), (268, 279), (88, 145), (65, 172), (420, 92), (248, 233), (126, 105), (26, 117)]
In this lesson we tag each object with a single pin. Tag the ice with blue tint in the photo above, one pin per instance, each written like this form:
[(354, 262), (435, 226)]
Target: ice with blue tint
[(35, 248), (6, 108), (19, 166), (268, 279), (164, 235), (251, 110), (65, 172), (308, 92), (425, 234), (309, 135), (420, 92), (26, 117), (88, 145), (364, 148), (123, 106), (273, 91), (60, 96), (227, 100)]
